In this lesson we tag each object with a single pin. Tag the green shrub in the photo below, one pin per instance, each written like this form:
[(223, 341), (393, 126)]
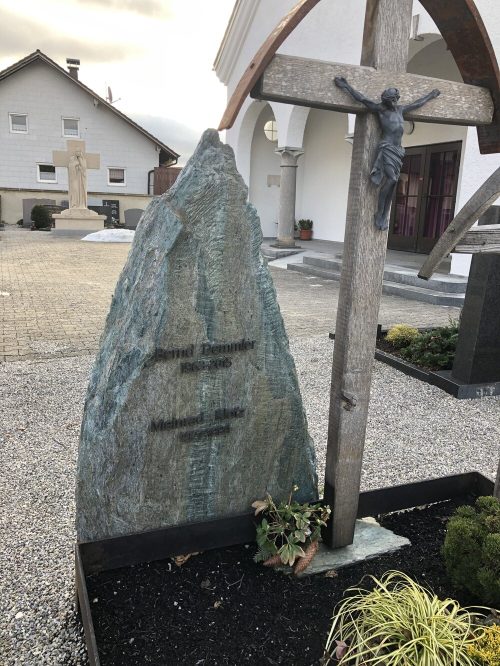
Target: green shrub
[(401, 335), (40, 217), (433, 349), (472, 549), (400, 623), (20, 222)]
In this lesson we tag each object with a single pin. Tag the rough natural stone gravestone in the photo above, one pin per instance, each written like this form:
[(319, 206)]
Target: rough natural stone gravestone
[(193, 409)]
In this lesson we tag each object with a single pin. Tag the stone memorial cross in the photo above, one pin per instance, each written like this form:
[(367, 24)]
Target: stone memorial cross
[(311, 83), (77, 161)]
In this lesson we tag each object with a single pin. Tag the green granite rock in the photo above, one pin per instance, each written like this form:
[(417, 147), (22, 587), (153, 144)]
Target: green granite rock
[(193, 408)]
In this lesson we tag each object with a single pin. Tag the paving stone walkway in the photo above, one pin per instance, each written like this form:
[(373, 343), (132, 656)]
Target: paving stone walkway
[(55, 293)]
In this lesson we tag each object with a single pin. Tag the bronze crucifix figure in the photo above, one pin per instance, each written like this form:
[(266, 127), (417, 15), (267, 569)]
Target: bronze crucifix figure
[(390, 153)]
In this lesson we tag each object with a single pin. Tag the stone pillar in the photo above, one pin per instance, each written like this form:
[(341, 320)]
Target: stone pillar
[(288, 186), (477, 359)]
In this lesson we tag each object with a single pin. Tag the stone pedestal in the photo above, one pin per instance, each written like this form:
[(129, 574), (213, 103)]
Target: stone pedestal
[(288, 185), (477, 358), (78, 220)]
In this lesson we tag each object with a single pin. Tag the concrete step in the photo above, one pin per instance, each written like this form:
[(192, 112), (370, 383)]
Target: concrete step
[(272, 253), (409, 291), (421, 294), (452, 284), (324, 273)]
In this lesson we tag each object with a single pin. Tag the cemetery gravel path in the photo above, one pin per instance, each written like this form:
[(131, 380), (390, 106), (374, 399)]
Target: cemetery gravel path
[(415, 430)]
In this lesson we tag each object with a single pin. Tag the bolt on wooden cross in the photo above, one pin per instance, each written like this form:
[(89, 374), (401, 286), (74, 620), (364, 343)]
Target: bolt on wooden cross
[(310, 83), (63, 158)]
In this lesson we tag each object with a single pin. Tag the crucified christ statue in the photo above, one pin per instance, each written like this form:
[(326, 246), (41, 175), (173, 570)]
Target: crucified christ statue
[(390, 153)]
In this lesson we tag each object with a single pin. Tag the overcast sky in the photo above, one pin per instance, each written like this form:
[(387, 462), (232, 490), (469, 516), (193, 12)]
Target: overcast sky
[(156, 55)]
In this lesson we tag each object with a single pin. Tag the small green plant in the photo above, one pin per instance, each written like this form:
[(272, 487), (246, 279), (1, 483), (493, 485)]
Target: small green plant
[(400, 623), (288, 530), (486, 649), (306, 225), (401, 335), (472, 549), (40, 217), (434, 349), (20, 222)]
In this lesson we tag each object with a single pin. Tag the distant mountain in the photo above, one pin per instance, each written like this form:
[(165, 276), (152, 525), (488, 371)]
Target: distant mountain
[(175, 135)]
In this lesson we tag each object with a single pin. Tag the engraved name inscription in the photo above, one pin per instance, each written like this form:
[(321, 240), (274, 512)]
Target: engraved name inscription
[(221, 414), (205, 349)]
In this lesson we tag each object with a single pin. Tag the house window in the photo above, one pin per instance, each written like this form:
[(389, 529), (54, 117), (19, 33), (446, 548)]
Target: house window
[(70, 127), (18, 123), (46, 173), (116, 176)]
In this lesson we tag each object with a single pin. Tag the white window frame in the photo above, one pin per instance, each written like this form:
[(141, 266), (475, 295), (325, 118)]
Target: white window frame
[(124, 184), (14, 131), (70, 136), (44, 180)]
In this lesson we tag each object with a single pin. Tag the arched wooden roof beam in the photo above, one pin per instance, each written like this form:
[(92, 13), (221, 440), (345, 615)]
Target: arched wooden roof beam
[(458, 21)]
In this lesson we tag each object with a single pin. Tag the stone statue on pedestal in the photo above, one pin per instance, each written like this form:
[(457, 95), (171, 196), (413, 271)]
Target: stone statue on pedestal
[(77, 180)]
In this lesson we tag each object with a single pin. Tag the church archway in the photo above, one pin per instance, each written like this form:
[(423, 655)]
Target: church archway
[(326, 153), (265, 173), (245, 137)]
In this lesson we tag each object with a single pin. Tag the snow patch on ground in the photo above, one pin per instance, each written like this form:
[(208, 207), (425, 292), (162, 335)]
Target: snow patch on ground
[(111, 236)]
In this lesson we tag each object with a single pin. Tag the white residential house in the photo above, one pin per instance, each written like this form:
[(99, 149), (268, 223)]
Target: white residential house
[(442, 160), (42, 106)]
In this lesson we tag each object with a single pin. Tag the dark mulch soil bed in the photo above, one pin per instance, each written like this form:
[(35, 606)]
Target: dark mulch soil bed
[(388, 348), (221, 608)]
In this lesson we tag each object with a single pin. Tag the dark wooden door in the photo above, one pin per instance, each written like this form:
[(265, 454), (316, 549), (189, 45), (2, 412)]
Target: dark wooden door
[(424, 202)]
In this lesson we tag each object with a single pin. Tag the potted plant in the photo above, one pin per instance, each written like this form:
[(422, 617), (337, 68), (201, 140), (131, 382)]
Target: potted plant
[(289, 532), (305, 228)]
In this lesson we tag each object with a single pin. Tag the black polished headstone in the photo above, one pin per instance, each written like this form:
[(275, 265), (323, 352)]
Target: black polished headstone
[(114, 204), (477, 359), (104, 210)]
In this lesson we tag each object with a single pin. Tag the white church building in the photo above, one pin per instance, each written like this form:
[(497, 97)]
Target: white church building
[(443, 166)]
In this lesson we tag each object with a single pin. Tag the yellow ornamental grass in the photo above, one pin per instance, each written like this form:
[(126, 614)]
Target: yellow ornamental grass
[(400, 623)]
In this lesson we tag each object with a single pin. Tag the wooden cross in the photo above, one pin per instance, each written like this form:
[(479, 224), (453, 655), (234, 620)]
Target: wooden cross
[(309, 83)]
